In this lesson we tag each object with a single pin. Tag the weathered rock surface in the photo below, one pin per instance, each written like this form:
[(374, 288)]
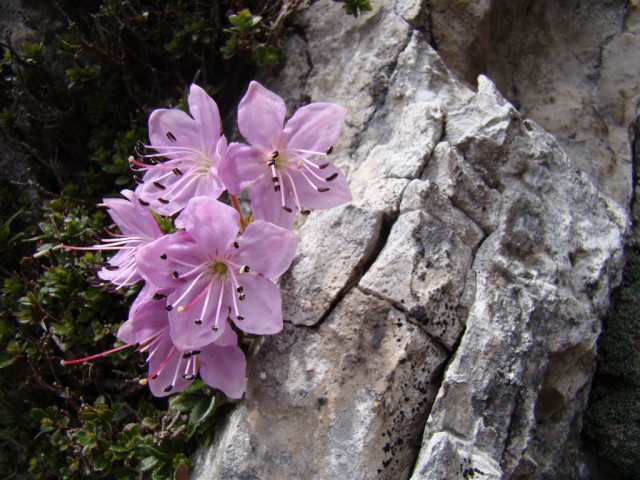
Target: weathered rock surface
[(571, 66), (443, 325)]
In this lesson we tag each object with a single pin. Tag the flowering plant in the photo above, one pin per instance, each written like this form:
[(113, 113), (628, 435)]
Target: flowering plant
[(211, 279)]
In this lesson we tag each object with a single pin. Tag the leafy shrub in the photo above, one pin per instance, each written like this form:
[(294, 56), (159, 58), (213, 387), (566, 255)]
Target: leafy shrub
[(612, 423)]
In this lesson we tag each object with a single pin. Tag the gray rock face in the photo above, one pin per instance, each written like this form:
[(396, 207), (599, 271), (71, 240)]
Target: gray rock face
[(571, 66), (444, 323)]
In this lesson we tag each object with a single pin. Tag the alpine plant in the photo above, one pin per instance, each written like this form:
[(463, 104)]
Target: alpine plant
[(210, 280)]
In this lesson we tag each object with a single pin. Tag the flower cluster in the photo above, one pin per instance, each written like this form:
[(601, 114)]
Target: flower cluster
[(212, 278)]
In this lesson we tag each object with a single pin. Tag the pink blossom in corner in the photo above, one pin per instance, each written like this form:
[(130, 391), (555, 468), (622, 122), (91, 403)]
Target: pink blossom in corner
[(214, 274), (221, 364), (284, 167), (189, 149), (138, 227)]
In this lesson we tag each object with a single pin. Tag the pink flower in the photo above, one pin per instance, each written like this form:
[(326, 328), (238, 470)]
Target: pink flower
[(280, 165), (189, 149), (221, 364), (214, 274), (138, 227)]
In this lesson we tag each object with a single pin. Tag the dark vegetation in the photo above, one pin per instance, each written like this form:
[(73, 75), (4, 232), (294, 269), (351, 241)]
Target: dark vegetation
[(612, 422), (74, 99)]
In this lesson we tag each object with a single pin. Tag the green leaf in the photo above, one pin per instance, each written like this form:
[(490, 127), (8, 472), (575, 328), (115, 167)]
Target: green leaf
[(153, 451), (202, 412), (149, 463), (6, 359)]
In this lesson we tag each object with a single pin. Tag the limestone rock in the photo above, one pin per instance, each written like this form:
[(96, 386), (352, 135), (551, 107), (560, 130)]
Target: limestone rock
[(345, 400), (443, 325), (570, 66), (334, 247), (422, 270)]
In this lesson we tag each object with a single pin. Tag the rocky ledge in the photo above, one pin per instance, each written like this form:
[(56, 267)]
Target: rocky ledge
[(442, 325)]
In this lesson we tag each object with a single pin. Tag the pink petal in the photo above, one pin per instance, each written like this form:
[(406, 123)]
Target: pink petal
[(178, 125), (159, 260), (178, 189), (171, 373), (310, 197), (205, 112), (131, 217), (266, 203), (241, 166), (127, 272), (314, 127), (221, 152), (260, 117), (229, 338), (261, 308), (212, 224), (191, 328), (266, 248), (147, 321), (224, 368), (147, 293)]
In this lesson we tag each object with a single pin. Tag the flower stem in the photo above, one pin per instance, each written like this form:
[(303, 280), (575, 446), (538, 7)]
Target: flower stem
[(236, 204)]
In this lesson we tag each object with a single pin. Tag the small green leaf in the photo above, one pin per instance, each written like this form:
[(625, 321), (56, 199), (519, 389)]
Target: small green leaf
[(6, 359), (202, 411), (149, 463)]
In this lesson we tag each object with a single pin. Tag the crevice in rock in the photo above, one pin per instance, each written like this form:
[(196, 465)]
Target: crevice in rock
[(409, 318), (635, 173), (517, 407), (598, 65), (435, 340), (363, 265), (431, 39), (439, 380), (419, 20), (628, 8)]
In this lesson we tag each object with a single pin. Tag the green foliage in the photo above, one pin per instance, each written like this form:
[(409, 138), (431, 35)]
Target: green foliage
[(244, 27), (355, 7), (73, 103), (612, 422)]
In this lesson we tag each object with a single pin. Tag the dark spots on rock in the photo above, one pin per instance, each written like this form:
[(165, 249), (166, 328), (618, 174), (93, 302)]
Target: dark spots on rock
[(472, 472), (419, 313), (386, 448), (385, 463), (321, 402)]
